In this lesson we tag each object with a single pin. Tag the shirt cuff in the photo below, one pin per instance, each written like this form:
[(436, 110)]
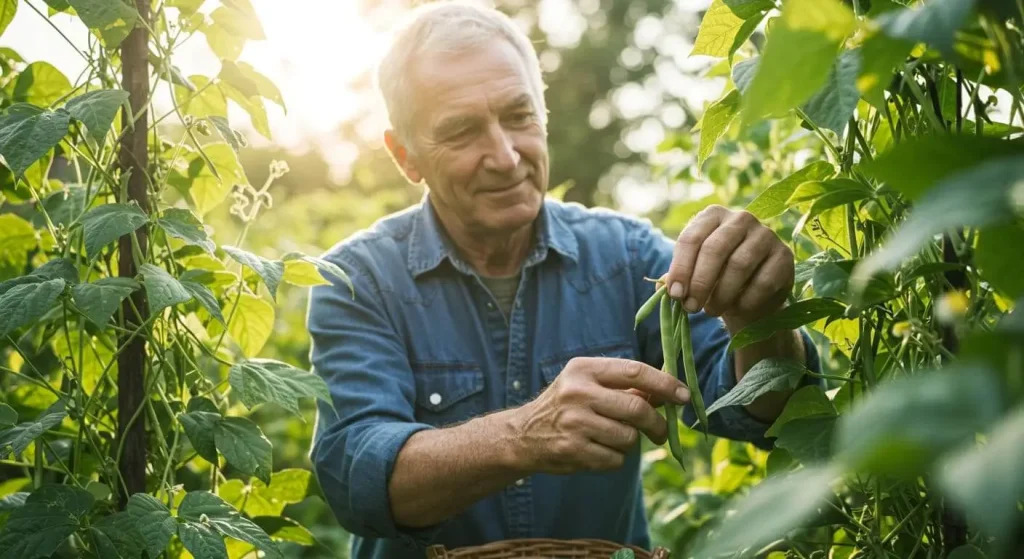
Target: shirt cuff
[(368, 468)]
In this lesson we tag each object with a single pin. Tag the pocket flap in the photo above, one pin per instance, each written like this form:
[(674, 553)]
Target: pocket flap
[(550, 368), (438, 390)]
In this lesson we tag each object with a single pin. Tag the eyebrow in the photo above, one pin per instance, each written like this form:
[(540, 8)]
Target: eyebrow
[(453, 124)]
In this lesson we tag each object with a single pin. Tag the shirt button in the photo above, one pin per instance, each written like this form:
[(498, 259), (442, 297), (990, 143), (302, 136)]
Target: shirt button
[(490, 305), (520, 482), (435, 398), (516, 385)]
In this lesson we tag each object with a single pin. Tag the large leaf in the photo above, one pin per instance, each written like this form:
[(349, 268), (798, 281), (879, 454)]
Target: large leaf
[(988, 482), (915, 165), (119, 534), (901, 427), (205, 188), (257, 381), (162, 289), (112, 19), (49, 515), (8, 416), (998, 258), (933, 22), (771, 509), (15, 440), (202, 294), (250, 321), (100, 299), (269, 270), (720, 30), (40, 84), (772, 201), (26, 138), (7, 11), (183, 224), (199, 427), (57, 268), (203, 507), (833, 105), (244, 446), (767, 375), (809, 401), (97, 109), (323, 265), (797, 57), (977, 197), (25, 303), (879, 55), (808, 439), (716, 120), (206, 100), (743, 73), (264, 86), (302, 273), (104, 224), (285, 529), (790, 317), (202, 541), (153, 522), (251, 104)]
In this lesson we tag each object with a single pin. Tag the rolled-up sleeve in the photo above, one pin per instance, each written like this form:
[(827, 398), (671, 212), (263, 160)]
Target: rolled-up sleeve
[(360, 355), (652, 255)]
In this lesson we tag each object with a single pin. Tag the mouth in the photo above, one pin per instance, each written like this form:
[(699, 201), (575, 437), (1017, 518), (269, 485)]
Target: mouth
[(506, 187)]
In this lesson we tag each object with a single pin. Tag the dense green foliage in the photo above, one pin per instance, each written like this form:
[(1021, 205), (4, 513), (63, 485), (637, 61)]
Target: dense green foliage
[(866, 133)]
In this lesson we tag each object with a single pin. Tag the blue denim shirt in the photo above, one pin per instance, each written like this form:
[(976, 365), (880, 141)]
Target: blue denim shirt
[(423, 344)]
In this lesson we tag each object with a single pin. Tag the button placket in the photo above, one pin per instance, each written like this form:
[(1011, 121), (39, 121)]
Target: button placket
[(519, 495)]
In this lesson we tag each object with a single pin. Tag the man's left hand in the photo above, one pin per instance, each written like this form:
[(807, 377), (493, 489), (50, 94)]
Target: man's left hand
[(731, 265)]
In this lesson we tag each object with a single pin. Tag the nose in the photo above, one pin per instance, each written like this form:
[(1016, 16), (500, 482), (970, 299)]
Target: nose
[(502, 156)]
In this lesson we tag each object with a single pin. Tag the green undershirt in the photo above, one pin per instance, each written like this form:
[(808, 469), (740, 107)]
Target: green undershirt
[(504, 290)]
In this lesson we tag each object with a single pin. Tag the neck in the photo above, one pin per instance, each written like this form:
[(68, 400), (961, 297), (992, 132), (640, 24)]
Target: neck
[(490, 254)]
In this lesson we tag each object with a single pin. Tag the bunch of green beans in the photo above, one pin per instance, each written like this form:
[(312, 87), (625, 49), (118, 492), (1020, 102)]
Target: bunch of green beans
[(675, 339)]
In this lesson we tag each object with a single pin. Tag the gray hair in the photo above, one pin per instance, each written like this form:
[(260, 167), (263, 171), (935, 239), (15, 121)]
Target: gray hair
[(448, 26)]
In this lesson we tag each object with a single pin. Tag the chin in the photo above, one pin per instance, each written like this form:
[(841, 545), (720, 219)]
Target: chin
[(513, 217)]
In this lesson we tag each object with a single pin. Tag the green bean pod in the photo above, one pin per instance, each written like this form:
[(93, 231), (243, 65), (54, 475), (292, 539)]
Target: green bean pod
[(690, 370), (648, 307), (670, 351)]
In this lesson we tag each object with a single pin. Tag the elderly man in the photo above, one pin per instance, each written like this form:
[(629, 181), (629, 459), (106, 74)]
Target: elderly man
[(486, 377)]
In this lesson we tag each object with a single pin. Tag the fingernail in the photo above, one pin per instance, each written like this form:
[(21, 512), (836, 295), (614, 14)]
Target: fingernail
[(691, 305), (676, 291), (682, 395)]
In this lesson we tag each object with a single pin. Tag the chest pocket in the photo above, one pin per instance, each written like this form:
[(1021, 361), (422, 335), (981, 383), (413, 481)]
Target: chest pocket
[(550, 368), (449, 395)]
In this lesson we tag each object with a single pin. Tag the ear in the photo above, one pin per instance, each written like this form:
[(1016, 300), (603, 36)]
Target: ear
[(400, 154)]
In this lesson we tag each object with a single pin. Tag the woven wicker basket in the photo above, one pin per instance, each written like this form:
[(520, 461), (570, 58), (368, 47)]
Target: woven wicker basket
[(539, 548)]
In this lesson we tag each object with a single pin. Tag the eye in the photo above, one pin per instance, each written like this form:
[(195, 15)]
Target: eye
[(520, 117)]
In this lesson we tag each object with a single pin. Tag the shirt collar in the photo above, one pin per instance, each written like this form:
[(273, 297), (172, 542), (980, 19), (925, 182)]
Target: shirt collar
[(429, 245)]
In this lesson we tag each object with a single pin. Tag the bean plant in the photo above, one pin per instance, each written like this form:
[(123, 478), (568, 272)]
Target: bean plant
[(129, 338), (881, 139)]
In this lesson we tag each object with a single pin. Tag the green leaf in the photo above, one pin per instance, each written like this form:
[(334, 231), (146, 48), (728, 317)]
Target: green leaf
[(772, 201), (998, 258), (624, 553), (121, 537), (222, 517), (270, 271), (100, 299), (722, 25), (50, 514), (201, 541), (7, 11), (24, 304), (17, 237), (204, 188), (203, 294), (879, 55), (64, 206), (771, 509), (113, 19), (285, 529), (715, 123), (206, 100), (250, 321), (183, 224), (26, 138), (16, 439), (977, 197), (832, 280), (8, 417), (914, 166), (743, 73), (199, 427), (162, 290), (234, 138), (797, 57), (257, 381), (808, 439), (223, 44), (809, 401), (186, 7), (904, 424), (40, 84), (933, 23), (302, 273), (253, 105), (97, 109), (833, 106), (264, 86), (153, 522), (105, 224), (767, 375), (788, 318), (57, 268), (986, 481), (243, 445), (239, 19), (324, 266)]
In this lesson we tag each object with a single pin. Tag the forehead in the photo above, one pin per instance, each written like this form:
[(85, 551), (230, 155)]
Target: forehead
[(483, 79)]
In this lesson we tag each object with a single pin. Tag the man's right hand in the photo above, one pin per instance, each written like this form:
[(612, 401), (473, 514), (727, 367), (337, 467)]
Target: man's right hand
[(590, 417)]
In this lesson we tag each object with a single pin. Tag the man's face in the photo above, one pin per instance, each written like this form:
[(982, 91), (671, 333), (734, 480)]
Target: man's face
[(477, 139)]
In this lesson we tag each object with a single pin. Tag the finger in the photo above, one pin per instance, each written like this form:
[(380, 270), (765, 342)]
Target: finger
[(611, 372), (613, 434), (770, 284), (653, 401), (739, 268), (684, 255), (598, 457), (714, 253), (620, 406)]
